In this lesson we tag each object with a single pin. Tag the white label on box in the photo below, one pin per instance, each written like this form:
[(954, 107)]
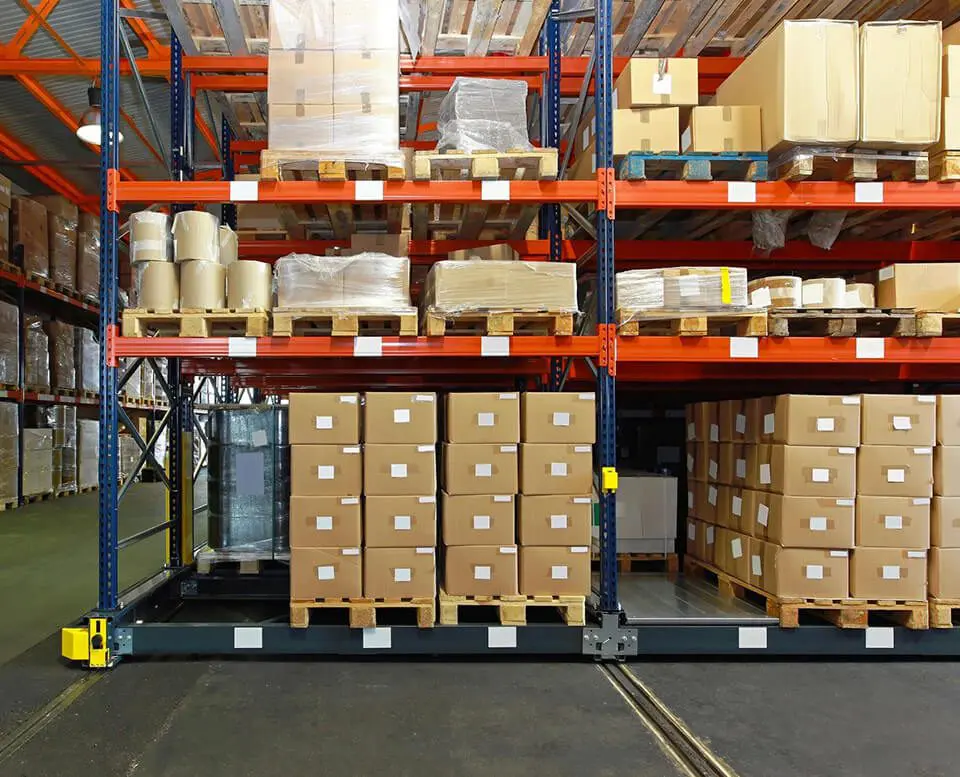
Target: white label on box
[(847, 451), (398, 470), (481, 522), (890, 572), (752, 638), (740, 424), (423, 398), (769, 423), (686, 140), (350, 551), (324, 422), (482, 470), (923, 451), (481, 573), (485, 419), (368, 191), (425, 449), (324, 523), (378, 638), (368, 346), (327, 572), (736, 506), (494, 345), (902, 422), (426, 551), (850, 400), (814, 571), (845, 503), (879, 637), (244, 191), (558, 522), (760, 298), (350, 500), (259, 438), (928, 399), (870, 347), (922, 500), (896, 475), (579, 549), (502, 637), (583, 449), (811, 294), (714, 433), (893, 522), (589, 396), (709, 535), (508, 550), (689, 285), (868, 191), (402, 523), (561, 419), (241, 346), (886, 273), (712, 495), (508, 449), (351, 449), (764, 474), (691, 431), (690, 462), (741, 468), (756, 568), (558, 469), (348, 399), (839, 553), (247, 637), (402, 575), (916, 554), (713, 469), (818, 523), (585, 138), (559, 572), (507, 498), (741, 191), (496, 191), (662, 83), (325, 472), (691, 531), (820, 475), (763, 514), (744, 348), (577, 500), (825, 425), (401, 416), (736, 547)]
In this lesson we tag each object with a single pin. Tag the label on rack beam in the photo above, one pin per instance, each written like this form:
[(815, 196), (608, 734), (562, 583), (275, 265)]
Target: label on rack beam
[(241, 346), (501, 636), (247, 638), (878, 637), (494, 346), (378, 638), (752, 637), (368, 346), (744, 348), (496, 191), (368, 191), (244, 191), (741, 191), (870, 347), (869, 191), (45, 397)]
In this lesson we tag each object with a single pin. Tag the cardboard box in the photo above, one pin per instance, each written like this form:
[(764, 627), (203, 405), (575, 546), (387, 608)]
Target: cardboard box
[(895, 470), (88, 263), (300, 77), (479, 519), (932, 286), (519, 286), (554, 520), (702, 499), (399, 470), (480, 570), (804, 521), (325, 573), (553, 571), (5, 192), (703, 421), (950, 73), (398, 573), (556, 469), (805, 76), (732, 553), (732, 420), (756, 508), (948, 418), (300, 126), (364, 24), (399, 417), (324, 419), (650, 130), (946, 466), (805, 573), (28, 228), (400, 521), (306, 24), (730, 508), (944, 573), (502, 252), (759, 410), (646, 506), (949, 127), (900, 90), (483, 417), (62, 249), (648, 81), (701, 536), (898, 419), (326, 470), (325, 522), (893, 522), (37, 469), (809, 419), (698, 459), (558, 417), (888, 573), (807, 470), (365, 77), (945, 522), (394, 245), (717, 129), (732, 464), (480, 469)]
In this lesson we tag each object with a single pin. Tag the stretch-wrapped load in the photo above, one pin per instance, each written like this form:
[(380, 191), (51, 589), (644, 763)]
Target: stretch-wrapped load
[(461, 287), (9, 451), (36, 368), (369, 281), (150, 239), (37, 461), (484, 114), (62, 420), (88, 452), (9, 345), (682, 288), (776, 291), (88, 351), (129, 456), (63, 371)]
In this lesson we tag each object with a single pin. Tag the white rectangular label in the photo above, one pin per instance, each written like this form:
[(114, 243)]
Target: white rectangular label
[(896, 475), (482, 470), (662, 83), (825, 425), (378, 638), (893, 522), (736, 547), (850, 400), (494, 345), (244, 191), (709, 534), (820, 475), (559, 572), (402, 575), (691, 531), (923, 500), (845, 503), (879, 637), (368, 191), (902, 422), (839, 554), (324, 422), (585, 138), (507, 498), (402, 522), (561, 419), (689, 500), (712, 495), (740, 424), (579, 549), (558, 469), (756, 568), (690, 462), (818, 523), (763, 514), (886, 273), (485, 419), (928, 399), (502, 637), (351, 449), (508, 449), (426, 551), (401, 416), (712, 468), (916, 554), (923, 451), (481, 522), (350, 500), (348, 399), (326, 573), (890, 572), (691, 431), (737, 506), (847, 451), (752, 638), (368, 346), (744, 348), (558, 522), (741, 468), (398, 470), (741, 191), (326, 472), (481, 573), (238, 347), (498, 191), (714, 433), (769, 423), (583, 449), (814, 572), (259, 438), (324, 523), (247, 637), (868, 191), (870, 347), (425, 448), (765, 474), (423, 398), (350, 551)]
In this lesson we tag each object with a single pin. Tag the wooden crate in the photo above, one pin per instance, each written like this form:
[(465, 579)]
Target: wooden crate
[(342, 322), (137, 322), (512, 610), (687, 323), (437, 324), (363, 612)]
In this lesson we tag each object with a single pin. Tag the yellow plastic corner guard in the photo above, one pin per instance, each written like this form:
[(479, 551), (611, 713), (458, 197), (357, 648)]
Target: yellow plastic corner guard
[(609, 479), (87, 644)]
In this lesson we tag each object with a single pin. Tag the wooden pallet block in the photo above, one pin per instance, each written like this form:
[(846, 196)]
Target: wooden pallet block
[(642, 166), (746, 323), (363, 612), (43, 497), (502, 323), (340, 322), (512, 610), (931, 324), (840, 164), (9, 504), (941, 612), (873, 322), (945, 167), (195, 323)]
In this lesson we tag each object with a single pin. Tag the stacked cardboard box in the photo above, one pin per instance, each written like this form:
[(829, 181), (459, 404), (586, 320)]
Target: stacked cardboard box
[(87, 360), (480, 480), (9, 451), (9, 344), (6, 200), (62, 221), (88, 255), (36, 369), (88, 453), (37, 461), (326, 484), (62, 419), (556, 477), (944, 563), (28, 231), (400, 495), (62, 341)]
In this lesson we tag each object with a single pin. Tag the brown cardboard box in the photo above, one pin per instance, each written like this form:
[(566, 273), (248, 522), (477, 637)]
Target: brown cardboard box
[(699, 456), (702, 500), (479, 417), (756, 507), (556, 469), (898, 419), (931, 286), (399, 417), (804, 573), (554, 520), (732, 469), (759, 554), (394, 245), (301, 126), (326, 470), (62, 341), (502, 252), (647, 81), (945, 522), (400, 521), (948, 417), (650, 130), (946, 465), (888, 573), (646, 512), (555, 571), (364, 77), (480, 570), (88, 223), (893, 522), (558, 417), (895, 470), (715, 129), (480, 469), (703, 422), (325, 573), (398, 573), (759, 411), (807, 470), (732, 420), (479, 519), (306, 24), (5, 192), (363, 24), (944, 573), (809, 419), (399, 470), (88, 263), (300, 78), (28, 227), (325, 522), (701, 540), (808, 521), (900, 89), (324, 419), (732, 553), (950, 75), (950, 126), (805, 77), (62, 249), (730, 508)]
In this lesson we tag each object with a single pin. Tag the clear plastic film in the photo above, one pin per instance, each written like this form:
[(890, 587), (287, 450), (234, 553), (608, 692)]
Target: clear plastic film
[(824, 227), (88, 452), (150, 239), (9, 345), (681, 288), (89, 353), (63, 367), (229, 245), (62, 420), (132, 388), (147, 383), (37, 461), (770, 228), (9, 451), (196, 236), (824, 293), (490, 285), (29, 230), (484, 114), (297, 25), (371, 281), (88, 263), (63, 250), (859, 296), (156, 286), (129, 455), (37, 358), (776, 291), (249, 285)]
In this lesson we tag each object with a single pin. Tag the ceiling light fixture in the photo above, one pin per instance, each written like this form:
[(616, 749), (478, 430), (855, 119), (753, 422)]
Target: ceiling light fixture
[(90, 129)]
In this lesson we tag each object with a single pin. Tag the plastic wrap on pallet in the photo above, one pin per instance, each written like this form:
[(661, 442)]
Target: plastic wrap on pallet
[(484, 114), (248, 478), (296, 25), (147, 382), (776, 291), (63, 371), (196, 237), (368, 281), (229, 245), (62, 420), (150, 238), (88, 263), (88, 350), (824, 293), (37, 461), (36, 368), (28, 229), (490, 285), (824, 227), (129, 455), (62, 238), (9, 451), (859, 296), (88, 452), (9, 344), (132, 388), (682, 288), (770, 228)]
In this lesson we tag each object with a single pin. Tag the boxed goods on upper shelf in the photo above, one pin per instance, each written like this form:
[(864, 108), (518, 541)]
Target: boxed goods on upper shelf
[(648, 82), (369, 280), (933, 286), (484, 114), (457, 287), (679, 288), (720, 129)]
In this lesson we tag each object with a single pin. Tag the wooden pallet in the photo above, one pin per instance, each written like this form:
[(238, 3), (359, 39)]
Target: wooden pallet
[(437, 324), (512, 610), (244, 562), (839, 164), (837, 322), (685, 323), (642, 166), (341, 322), (945, 166), (941, 612), (295, 165), (45, 496), (9, 504), (644, 562), (195, 323), (937, 324), (363, 612), (843, 613)]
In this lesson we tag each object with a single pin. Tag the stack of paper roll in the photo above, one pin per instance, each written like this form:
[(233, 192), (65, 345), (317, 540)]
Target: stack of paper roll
[(196, 249), (155, 279), (819, 293), (775, 291), (249, 285)]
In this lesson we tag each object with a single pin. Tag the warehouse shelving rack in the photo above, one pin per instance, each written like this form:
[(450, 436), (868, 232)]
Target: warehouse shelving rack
[(139, 622)]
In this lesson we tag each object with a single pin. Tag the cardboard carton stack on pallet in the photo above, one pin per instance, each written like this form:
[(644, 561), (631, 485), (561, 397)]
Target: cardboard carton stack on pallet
[(28, 231), (9, 453), (62, 222), (37, 462), (944, 566)]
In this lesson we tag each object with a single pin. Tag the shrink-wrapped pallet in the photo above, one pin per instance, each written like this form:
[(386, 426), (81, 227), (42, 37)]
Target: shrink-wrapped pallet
[(88, 361), (88, 452), (37, 461), (775, 291), (150, 239), (9, 345), (484, 114), (9, 451), (62, 420), (682, 288), (36, 367), (490, 285), (367, 281), (62, 339)]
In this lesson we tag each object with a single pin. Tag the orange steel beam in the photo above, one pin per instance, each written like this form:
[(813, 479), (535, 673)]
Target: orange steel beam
[(18, 152), (37, 16)]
